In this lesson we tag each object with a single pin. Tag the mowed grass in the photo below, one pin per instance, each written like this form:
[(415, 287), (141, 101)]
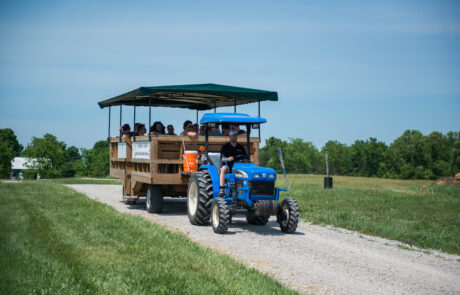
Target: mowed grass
[(411, 211), (54, 240)]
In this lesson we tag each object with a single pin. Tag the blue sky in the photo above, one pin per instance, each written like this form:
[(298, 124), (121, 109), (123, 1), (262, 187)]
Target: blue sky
[(344, 70)]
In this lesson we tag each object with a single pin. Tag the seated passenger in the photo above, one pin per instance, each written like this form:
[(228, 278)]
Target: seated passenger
[(171, 130), (201, 130), (139, 129), (188, 129), (237, 129), (157, 128), (225, 129), (214, 131), (229, 151), (125, 131), (195, 128)]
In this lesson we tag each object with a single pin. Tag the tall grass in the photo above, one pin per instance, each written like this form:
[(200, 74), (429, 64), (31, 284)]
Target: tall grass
[(56, 241), (414, 212)]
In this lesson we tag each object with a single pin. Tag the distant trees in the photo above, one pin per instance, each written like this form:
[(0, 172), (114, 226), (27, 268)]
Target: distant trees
[(9, 148), (96, 160), (49, 155), (410, 156), (54, 159)]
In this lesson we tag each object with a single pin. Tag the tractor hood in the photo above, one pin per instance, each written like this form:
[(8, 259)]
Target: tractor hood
[(251, 171)]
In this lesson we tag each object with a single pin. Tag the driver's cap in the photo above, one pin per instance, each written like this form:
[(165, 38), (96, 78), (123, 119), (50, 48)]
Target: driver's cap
[(233, 132)]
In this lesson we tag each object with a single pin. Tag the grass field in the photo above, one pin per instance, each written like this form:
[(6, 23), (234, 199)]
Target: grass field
[(54, 240), (411, 211)]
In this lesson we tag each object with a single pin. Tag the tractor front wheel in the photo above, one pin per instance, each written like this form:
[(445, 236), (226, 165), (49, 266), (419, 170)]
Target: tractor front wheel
[(220, 216), (199, 198), (256, 220), (288, 215)]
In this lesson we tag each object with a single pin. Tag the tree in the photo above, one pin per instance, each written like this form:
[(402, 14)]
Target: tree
[(339, 157), (72, 162), (413, 155), (300, 156), (96, 160), (367, 156), (9, 148), (49, 154)]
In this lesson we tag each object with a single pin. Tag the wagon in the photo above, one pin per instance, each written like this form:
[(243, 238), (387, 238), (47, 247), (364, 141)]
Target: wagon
[(152, 166)]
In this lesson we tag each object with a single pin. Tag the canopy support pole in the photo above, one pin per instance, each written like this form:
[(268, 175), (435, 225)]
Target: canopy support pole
[(121, 131), (109, 123), (215, 106), (150, 113), (234, 108), (258, 105), (197, 116), (134, 123)]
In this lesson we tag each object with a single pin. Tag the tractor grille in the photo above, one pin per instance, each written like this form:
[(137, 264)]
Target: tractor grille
[(262, 188)]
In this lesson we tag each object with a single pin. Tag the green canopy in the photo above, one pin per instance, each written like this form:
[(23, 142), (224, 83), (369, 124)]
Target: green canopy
[(194, 96)]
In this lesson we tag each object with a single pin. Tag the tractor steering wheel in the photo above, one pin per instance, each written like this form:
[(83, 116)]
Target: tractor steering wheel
[(240, 158)]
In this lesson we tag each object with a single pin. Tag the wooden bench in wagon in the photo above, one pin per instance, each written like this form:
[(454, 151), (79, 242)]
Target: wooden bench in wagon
[(155, 162)]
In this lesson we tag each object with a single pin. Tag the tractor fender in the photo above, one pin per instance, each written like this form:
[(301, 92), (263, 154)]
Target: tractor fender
[(214, 178)]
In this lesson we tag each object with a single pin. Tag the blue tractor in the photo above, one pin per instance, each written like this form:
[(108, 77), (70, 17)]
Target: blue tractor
[(249, 189)]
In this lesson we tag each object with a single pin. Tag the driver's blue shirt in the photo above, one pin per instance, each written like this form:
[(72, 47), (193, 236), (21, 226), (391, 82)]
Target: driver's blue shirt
[(228, 150)]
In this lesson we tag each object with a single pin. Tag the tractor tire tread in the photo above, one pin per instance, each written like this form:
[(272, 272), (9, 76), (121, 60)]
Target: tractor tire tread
[(293, 208), (224, 216)]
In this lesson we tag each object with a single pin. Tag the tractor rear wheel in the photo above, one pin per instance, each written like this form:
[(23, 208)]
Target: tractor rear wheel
[(288, 215), (256, 220), (199, 198), (220, 216), (154, 200)]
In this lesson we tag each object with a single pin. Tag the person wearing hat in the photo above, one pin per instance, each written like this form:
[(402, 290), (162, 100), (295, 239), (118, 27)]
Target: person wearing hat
[(230, 151)]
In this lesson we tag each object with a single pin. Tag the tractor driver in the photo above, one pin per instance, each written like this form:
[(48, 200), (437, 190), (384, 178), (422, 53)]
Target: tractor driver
[(229, 151)]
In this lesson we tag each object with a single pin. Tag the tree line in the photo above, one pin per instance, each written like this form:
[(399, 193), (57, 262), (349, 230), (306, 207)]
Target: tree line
[(53, 158), (410, 156)]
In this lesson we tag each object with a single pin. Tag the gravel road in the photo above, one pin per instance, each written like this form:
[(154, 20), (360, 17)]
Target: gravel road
[(316, 259)]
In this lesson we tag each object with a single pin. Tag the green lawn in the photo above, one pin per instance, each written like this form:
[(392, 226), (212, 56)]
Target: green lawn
[(411, 211), (54, 240)]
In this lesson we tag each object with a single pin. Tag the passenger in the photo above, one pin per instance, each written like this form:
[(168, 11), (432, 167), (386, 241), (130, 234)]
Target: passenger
[(157, 128), (214, 131), (201, 130), (139, 129), (230, 151), (188, 129), (171, 130), (195, 128), (237, 129), (225, 129), (125, 131)]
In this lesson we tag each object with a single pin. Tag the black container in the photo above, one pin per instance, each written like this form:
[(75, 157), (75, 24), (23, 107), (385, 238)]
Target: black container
[(327, 182)]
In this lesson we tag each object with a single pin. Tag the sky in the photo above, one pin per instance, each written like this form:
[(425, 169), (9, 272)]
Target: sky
[(343, 70)]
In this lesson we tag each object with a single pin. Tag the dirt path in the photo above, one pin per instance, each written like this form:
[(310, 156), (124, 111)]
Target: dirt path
[(315, 259)]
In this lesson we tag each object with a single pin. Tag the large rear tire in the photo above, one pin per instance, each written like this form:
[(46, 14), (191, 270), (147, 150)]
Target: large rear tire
[(154, 200), (256, 220), (220, 216), (288, 215), (199, 198)]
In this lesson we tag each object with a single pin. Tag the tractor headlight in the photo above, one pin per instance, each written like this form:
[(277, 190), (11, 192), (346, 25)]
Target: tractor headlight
[(271, 175), (241, 174), (264, 175), (256, 175)]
